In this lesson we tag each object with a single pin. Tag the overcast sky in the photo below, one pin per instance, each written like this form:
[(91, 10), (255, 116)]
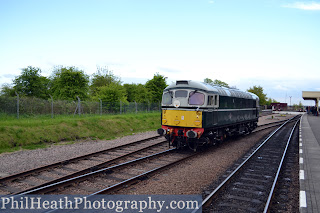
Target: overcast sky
[(270, 43)]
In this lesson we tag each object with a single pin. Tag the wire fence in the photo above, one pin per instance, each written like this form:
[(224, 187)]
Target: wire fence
[(34, 106)]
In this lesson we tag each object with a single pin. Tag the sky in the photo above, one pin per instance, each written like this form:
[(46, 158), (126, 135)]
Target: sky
[(274, 44)]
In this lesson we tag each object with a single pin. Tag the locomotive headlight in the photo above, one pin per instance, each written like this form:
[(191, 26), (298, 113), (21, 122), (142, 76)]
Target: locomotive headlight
[(192, 134)]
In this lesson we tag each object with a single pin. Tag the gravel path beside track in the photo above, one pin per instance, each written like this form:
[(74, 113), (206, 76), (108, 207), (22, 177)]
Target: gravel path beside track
[(11, 163)]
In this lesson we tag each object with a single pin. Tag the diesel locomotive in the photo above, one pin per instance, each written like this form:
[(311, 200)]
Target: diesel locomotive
[(195, 114)]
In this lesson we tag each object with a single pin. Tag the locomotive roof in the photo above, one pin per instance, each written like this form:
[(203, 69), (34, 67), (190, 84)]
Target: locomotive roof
[(201, 86)]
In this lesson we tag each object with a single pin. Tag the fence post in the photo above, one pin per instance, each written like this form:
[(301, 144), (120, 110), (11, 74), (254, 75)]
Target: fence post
[(120, 107), (136, 106), (51, 106), (100, 106), (17, 104), (79, 105)]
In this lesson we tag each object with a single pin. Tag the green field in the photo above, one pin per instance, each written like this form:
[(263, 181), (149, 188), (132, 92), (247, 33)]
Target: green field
[(40, 132)]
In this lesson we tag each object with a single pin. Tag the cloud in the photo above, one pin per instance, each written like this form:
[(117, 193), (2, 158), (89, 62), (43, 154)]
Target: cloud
[(8, 76), (304, 5), (280, 87), (211, 2), (169, 70)]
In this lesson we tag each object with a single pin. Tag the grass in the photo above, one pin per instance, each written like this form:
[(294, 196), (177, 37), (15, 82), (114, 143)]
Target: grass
[(40, 132)]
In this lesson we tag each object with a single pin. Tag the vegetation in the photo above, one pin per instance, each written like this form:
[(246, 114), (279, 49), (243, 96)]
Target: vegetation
[(298, 106), (68, 83), (35, 132), (258, 90), (216, 82), (155, 88)]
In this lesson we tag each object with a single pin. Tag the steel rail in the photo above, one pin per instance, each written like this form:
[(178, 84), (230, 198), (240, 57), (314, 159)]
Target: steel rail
[(278, 171), (90, 169), (270, 125), (62, 183), (274, 122), (132, 179), (64, 162), (209, 198)]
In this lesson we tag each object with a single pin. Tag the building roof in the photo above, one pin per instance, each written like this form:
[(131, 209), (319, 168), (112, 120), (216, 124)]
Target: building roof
[(311, 95)]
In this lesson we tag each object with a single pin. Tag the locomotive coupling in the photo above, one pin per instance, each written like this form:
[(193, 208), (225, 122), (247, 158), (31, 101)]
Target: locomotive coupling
[(180, 132)]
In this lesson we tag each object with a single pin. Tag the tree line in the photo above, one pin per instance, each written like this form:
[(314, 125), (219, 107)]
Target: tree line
[(68, 83)]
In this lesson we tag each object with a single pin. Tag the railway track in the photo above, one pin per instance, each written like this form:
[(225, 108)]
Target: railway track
[(111, 178), (82, 171), (270, 125), (250, 186), (41, 176)]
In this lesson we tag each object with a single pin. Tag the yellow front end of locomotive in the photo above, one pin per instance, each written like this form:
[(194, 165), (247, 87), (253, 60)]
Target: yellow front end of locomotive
[(182, 118)]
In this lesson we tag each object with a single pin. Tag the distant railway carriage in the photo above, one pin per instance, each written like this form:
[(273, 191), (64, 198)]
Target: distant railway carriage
[(196, 114), (279, 106)]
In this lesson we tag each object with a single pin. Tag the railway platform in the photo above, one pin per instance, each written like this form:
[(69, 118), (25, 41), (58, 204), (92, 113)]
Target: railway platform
[(309, 164)]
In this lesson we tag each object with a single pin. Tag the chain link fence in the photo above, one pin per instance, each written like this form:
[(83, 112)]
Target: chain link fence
[(34, 106)]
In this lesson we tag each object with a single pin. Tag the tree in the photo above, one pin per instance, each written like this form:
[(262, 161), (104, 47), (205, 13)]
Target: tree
[(216, 82), (7, 90), (270, 100), (68, 83), (31, 83), (155, 87), (208, 81), (298, 107), (111, 93), (258, 90), (103, 77), (136, 92)]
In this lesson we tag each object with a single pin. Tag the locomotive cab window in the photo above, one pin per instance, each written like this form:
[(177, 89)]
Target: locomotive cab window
[(181, 94), (167, 98), (196, 98), (213, 100)]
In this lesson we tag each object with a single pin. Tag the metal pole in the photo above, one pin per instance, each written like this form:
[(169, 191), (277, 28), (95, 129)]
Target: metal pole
[(100, 106), (79, 105), (51, 106), (136, 106), (17, 105), (120, 107)]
